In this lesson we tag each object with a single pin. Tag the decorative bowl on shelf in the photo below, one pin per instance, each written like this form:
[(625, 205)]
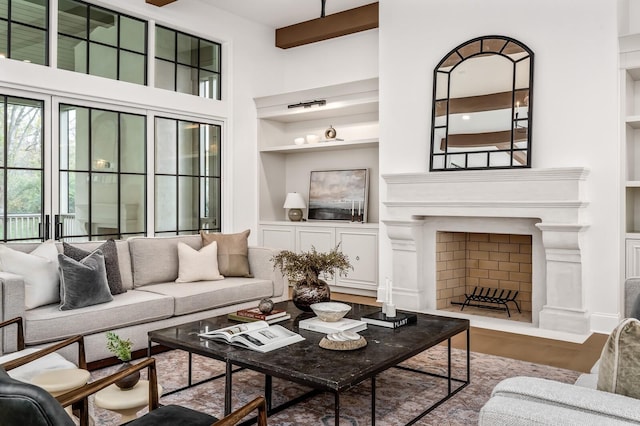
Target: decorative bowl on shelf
[(298, 141), (313, 138), (330, 311)]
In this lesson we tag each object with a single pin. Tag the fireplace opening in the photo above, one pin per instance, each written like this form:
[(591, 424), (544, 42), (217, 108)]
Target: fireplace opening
[(484, 274)]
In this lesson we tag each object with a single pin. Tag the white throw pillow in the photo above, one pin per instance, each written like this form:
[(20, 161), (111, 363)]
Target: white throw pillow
[(194, 265), (39, 270)]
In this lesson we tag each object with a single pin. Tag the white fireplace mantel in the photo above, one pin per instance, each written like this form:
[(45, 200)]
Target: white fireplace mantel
[(548, 204)]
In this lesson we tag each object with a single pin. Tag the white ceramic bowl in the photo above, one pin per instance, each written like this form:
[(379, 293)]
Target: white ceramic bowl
[(313, 138), (330, 311), (298, 141)]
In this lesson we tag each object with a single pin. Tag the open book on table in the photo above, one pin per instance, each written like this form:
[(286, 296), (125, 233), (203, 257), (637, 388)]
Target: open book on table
[(258, 336)]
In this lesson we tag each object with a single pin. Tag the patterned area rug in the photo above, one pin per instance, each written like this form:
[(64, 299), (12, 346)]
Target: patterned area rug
[(401, 395)]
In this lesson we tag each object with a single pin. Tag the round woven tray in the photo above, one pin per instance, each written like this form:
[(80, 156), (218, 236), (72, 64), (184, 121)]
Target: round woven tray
[(348, 345)]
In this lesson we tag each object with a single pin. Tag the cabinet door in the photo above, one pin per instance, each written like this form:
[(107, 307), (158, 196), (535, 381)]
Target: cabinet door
[(323, 239), (633, 258), (361, 246), (282, 237)]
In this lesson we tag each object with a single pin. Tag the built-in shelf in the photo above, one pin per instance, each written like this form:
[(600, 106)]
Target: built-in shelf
[(322, 146), (321, 223), (634, 121), (633, 184), (633, 235)]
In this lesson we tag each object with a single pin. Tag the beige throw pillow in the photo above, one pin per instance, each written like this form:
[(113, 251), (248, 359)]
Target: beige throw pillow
[(619, 363), (233, 252), (194, 265)]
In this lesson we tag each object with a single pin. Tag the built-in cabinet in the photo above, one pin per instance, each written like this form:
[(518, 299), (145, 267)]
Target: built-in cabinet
[(358, 241), (284, 166), (630, 133)]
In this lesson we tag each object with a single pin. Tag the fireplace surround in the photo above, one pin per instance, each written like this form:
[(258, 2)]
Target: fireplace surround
[(548, 204)]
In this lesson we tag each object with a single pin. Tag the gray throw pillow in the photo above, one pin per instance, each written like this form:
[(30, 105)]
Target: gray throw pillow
[(83, 283), (110, 252)]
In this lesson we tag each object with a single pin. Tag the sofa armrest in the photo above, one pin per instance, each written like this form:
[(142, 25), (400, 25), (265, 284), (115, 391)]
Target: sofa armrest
[(261, 267), (556, 399), (11, 306)]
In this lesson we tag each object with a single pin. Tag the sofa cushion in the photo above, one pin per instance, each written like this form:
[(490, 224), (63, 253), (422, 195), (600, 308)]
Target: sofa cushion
[(619, 363), (155, 260), (47, 323), (203, 295), (39, 270), (233, 252), (84, 282), (198, 265), (112, 265)]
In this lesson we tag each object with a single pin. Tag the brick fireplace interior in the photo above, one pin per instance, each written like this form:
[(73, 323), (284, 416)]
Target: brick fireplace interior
[(466, 260)]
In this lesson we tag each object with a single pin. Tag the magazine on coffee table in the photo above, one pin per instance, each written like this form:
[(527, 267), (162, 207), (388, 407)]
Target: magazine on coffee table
[(258, 336)]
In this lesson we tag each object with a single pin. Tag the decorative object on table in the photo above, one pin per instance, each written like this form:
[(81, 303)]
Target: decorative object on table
[(343, 341), (265, 306), (299, 141), (295, 203), (344, 324), (122, 350), (388, 308), (382, 320), (304, 270), (257, 314), (339, 195), (330, 311), (312, 139), (330, 133)]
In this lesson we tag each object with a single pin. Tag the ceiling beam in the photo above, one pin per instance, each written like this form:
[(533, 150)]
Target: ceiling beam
[(338, 24), (159, 2)]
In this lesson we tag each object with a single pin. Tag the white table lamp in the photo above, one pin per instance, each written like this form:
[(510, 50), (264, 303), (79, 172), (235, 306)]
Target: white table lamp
[(295, 203)]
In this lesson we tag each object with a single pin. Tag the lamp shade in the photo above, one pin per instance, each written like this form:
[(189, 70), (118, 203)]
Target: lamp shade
[(294, 201)]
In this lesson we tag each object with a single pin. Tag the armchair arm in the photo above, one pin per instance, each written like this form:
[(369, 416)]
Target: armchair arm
[(240, 413), (18, 322), (82, 361), (78, 398)]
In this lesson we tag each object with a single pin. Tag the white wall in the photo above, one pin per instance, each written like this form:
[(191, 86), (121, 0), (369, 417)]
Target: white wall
[(575, 105)]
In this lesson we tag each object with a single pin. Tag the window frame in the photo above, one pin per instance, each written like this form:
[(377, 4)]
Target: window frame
[(199, 68), (118, 48), (47, 27)]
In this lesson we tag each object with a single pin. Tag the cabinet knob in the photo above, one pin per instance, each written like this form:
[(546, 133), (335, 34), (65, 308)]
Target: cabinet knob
[(357, 257)]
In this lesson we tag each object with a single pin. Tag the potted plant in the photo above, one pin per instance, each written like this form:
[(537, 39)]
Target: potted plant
[(304, 271), (122, 350)]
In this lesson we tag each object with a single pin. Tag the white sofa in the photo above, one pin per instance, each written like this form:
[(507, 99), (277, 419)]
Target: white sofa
[(529, 400), (149, 268)]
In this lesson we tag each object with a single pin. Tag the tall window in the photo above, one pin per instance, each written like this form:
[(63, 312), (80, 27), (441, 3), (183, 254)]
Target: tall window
[(21, 168), (24, 30), (187, 178), (98, 41), (187, 64), (102, 174)]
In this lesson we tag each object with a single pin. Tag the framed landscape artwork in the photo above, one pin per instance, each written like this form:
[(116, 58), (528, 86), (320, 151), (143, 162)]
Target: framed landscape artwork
[(339, 195)]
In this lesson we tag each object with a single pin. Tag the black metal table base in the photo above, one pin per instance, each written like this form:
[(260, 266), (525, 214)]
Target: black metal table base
[(273, 410)]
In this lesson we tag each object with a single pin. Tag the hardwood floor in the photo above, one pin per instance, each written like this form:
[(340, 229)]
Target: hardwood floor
[(573, 356)]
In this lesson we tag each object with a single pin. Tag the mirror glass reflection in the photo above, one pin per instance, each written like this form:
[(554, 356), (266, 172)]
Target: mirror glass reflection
[(482, 106)]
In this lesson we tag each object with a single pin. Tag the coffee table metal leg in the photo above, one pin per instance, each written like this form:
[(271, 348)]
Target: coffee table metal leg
[(449, 365), (228, 379), (268, 385), (337, 408), (373, 401)]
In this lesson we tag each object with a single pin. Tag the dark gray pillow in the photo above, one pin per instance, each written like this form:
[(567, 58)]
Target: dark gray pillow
[(83, 283), (110, 252)]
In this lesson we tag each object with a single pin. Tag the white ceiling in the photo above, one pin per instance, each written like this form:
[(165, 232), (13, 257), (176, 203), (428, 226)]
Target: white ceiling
[(281, 13)]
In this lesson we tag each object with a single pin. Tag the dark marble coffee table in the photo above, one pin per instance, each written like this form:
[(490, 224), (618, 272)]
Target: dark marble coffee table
[(321, 369)]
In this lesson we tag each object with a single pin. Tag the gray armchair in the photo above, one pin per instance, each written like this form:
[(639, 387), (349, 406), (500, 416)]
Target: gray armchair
[(26, 404)]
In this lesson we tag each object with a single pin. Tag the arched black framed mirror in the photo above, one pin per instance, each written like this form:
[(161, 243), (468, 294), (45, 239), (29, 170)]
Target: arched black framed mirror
[(482, 106)]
